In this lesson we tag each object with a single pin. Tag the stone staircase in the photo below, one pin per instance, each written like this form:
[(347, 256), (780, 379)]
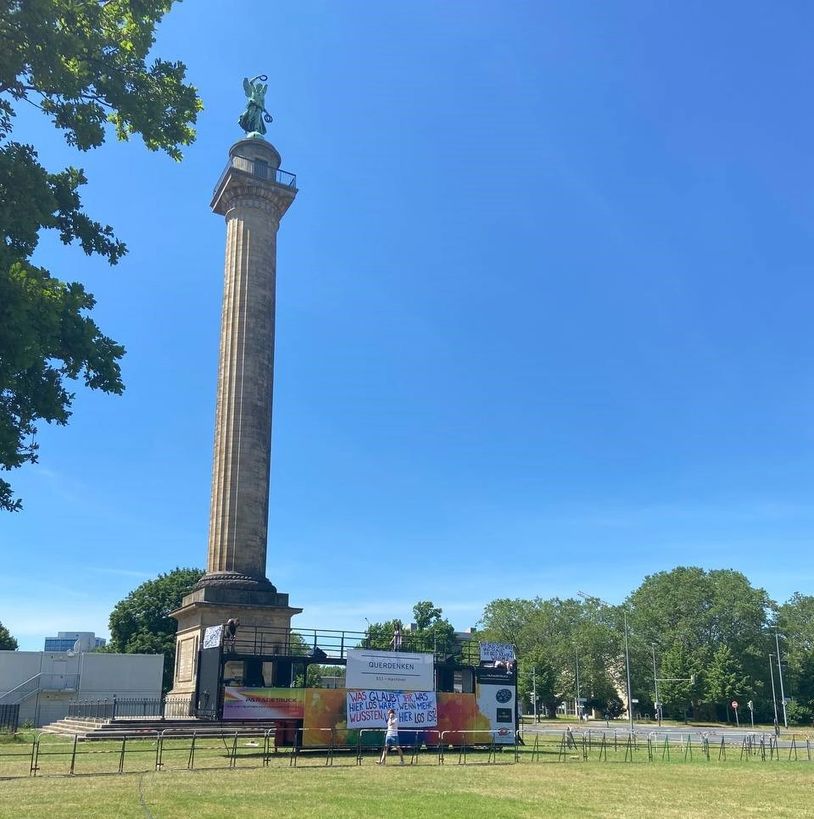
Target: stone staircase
[(97, 729)]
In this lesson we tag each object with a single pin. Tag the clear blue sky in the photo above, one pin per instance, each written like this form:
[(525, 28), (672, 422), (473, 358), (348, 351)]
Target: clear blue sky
[(544, 312)]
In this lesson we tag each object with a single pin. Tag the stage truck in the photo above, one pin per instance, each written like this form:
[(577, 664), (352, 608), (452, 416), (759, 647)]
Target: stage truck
[(464, 691)]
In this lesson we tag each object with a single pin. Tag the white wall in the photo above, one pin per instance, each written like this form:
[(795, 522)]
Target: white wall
[(125, 675), (100, 677)]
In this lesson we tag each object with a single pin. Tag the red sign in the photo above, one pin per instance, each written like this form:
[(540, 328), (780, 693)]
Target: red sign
[(735, 704)]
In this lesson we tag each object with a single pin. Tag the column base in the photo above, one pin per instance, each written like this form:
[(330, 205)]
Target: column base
[(212, 605)]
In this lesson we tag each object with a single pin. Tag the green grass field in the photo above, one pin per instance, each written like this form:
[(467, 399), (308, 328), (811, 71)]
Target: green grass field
[(579, 790), (593, 788)]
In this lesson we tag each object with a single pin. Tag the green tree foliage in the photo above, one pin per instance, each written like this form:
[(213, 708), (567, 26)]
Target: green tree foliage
[(7, 642), (141, 623), (795, 621), (711, 632), (551, 636), (432, 631), (724, 680), (691, 615), (84, 64)]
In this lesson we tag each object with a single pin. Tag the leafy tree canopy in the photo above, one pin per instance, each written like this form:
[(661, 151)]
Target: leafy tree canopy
[(141, 623), (432, 632), (84, 64), (709, 625), (555, 636), (7, 642), (795, 621)]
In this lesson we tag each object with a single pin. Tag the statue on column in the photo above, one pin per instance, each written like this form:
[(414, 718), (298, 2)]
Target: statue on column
[(253, 120)]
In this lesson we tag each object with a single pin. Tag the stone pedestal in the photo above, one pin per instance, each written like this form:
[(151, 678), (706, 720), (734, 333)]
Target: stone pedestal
[(252, 195)]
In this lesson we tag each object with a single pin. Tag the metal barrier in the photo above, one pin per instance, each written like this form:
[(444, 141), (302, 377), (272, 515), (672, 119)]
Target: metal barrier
[(464, 747), (10, 717), (195, 742), (207, 749), (414, 747)]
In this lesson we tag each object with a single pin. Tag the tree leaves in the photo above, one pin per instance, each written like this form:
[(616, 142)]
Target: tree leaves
[(7, 642), (84, 64), (141, 623)]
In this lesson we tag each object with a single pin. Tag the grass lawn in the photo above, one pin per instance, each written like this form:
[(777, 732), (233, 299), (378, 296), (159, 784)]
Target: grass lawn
[(579, 789)]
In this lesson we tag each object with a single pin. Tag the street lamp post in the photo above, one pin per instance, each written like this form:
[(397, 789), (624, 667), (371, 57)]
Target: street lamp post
[(627, 667), (656, 684), (578, 708), (534, 691), (780, 674), (627, 657), (774, 696)]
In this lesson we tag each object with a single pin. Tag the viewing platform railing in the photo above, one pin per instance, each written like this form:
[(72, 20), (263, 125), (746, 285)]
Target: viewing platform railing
[(327, 646), (260, 169)]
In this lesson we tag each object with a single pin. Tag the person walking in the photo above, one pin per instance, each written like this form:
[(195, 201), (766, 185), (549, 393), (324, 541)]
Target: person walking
[(391, 738)]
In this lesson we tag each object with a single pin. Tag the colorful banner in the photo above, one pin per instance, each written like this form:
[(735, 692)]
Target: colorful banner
[(368, 709), (494, 652), (263, 703), (346, 717), (389, 671)]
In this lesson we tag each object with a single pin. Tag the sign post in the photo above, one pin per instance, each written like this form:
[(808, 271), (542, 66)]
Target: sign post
[(735, 709), (751, 706)]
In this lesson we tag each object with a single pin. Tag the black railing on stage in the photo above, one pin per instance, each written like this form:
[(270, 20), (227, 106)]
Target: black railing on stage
[(177, 707), (9, 717), (329, 646)]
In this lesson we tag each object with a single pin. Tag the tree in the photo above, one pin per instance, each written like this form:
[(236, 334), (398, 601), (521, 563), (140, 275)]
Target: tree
[(426, 614), (7, 642), (551, 636), (688, 615), (83, 63), (725, 681), (432, 631), (795, 621), (141, 623)]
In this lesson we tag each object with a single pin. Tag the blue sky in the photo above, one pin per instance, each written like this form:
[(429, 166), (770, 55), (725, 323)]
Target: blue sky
[(543, 312)]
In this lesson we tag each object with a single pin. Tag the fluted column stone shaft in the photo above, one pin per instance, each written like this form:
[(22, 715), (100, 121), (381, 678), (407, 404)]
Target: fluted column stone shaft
[(252, 202)]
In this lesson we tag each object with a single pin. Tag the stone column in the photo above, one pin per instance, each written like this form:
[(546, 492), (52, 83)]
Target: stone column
[(253, 206), (252, 195)]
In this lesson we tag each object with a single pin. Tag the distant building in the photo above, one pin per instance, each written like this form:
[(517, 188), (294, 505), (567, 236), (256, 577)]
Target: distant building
[(78, 641)]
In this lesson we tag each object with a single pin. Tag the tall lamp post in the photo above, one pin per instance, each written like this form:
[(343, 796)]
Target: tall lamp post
[(780, 674), (578, 704), (534, 691), (656, 684), (627, 655), (774, 696)]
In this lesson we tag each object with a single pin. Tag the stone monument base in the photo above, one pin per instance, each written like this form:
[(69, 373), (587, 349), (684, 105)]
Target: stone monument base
[(257, 604)]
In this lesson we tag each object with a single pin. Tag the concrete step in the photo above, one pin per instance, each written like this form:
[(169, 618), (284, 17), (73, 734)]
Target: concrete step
[(116, 729)]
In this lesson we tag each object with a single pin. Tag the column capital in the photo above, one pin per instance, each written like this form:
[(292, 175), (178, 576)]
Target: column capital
[(253, 179)]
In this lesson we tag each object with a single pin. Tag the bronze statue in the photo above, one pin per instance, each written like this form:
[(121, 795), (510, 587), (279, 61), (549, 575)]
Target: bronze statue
[(253, 120)]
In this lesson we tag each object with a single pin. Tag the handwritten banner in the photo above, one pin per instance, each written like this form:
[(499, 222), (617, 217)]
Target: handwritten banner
[(415, 709), (492, 652)]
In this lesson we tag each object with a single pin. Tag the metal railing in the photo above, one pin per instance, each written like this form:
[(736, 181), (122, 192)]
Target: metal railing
[(40, 682), (176, 749), (260, 169), (177, 707), (329, 645), (9, 717)]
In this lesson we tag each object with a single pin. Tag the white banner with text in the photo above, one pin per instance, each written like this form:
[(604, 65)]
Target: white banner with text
[(496, 652), (415, 709), (389, 670)]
